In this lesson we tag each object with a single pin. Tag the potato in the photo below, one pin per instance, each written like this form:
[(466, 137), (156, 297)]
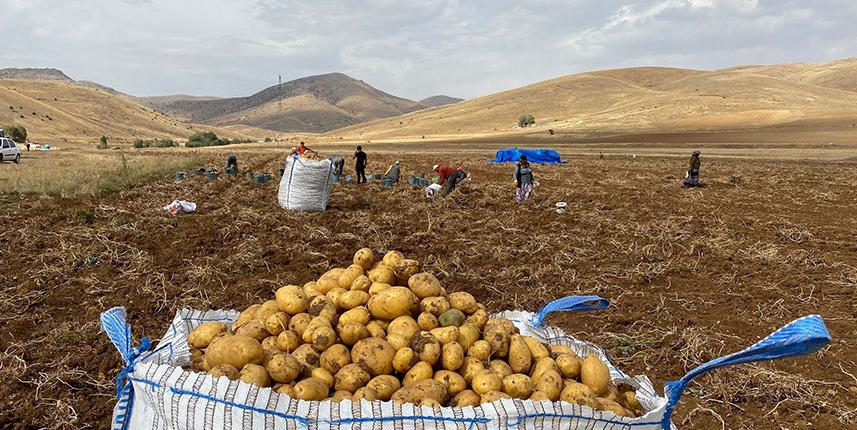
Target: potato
[(493, 396), (291, 299), (361, 283), (427, 321), (376, 329), (569, 366), (237, 350), (365, 258), (227, 370), (424, 285), (383, 274), (575, 392), (299, 323), (466, 398), (518, 385), (404, 326), (418, 372), (393, 258), (377, 287), (334, 296), (308, 357), (404, 359), (314, 324), (351, 377), (384, 386), (430, 403), (335, 358), (520, 358), (359, 315), (201, 336), (452, 356), (323, 338), (376, 354), (406, 269), (255, 329), (445, 335), (452, 318), (486, 381), (283, 368), (537, 350), (201, 364), (288, 340), (633, 405), (246, 316), (501, 368), (463, 301), (286, 389), (311, 389), (498, 336), (270, 307), (436, 306), (609, 405), (397, 341), (347, 276), (479, 318), (542, 366), (256, 375), (427, 347), (421, 390), (324, 375), (539, 396), (550, 382), (322, 306), (365, 393), (480, 350), (470, 367), (277, 323), (392, 303), (311, 291), (270, 344), (351, 333), (595, 374), (353, 299), (468, 334), (454, 382), (560, 349)]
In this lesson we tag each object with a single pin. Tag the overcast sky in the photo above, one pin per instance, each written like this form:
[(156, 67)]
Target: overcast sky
[(408, 48)]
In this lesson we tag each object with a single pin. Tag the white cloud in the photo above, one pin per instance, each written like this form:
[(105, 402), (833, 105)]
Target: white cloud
[(411, 49)]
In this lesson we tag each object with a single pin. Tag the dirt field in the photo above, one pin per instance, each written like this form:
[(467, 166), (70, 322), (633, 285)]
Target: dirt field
[(691, 274)]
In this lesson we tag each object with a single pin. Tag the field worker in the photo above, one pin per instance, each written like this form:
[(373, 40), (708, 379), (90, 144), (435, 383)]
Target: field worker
[(232, 164), (360, 164), (393, 172), (339, 167), (523, 180), (692, 177), (303, 148), (450, 177)]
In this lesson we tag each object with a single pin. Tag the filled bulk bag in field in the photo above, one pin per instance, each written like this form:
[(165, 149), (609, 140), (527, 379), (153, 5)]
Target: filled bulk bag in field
[(536, 156), (305, 185), (155, 392)]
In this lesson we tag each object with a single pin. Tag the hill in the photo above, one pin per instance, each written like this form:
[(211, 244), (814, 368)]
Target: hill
[(441, 100), (38, 74), (643, 100), (311, 104)]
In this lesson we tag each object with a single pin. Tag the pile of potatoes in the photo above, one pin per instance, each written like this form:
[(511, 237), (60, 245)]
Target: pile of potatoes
[(385, 330)]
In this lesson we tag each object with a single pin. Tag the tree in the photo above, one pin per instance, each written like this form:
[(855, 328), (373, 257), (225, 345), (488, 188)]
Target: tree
[(16, 132), (526, 120)]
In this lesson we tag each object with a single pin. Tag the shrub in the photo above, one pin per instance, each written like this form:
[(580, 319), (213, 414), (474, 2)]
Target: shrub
[(18, 133), (267, 139), (207, 138), (526, 120)]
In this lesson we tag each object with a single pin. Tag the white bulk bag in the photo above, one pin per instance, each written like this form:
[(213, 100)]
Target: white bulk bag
[(305, 185)]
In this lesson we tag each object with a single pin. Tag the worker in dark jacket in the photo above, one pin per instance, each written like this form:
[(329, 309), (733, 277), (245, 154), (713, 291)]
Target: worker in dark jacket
[(394, 172), (360, 165), (692, 177), (232, 164), (524, 182)]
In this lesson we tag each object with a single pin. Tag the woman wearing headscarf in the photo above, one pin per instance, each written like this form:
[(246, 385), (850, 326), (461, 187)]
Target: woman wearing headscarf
[(523, 180)]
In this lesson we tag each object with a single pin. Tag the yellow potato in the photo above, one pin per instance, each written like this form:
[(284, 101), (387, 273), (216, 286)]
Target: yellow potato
[(493, 396), (351, 377), (323, 338), (537, 350), (270, 307), (486, 381), (311, 291), (256, 375), (277, 323), (470, 368), (575, 392), (404, 359), (227, 370), (397, 341), (374, 353), (468, 334), (237, 350), (391, 303), (335, 358), (480, 350), (311, 389), (393, 258), (424, 285), (351, 333), (560, 349), (283, 368), (551, 383), (322, 306), (501, 368), (270, 344), (334, 297), (609, 405), (365, 393), (347, 276), (446, 335), (466, 398), (404, 326), (299, 323), (201, 336), (430, 403), (539, 396), (376, 329), (427, 347), (427, 321), (384, 386), (454, 382), (341, 395), (308, 357), (314, 324), (365, 258), (246, 316), (324, 375), (595, 374), (498, 336), (518, 385), (463, 301), (452, 356), (383, 274), (633, 405), (361, 283), (291, 299), (420, 391), (436, 306), (377, 287), (569, 366), (255, 329), (542, 366), (359, 315), (418, 372), (406, 269), (520, 358), (479, 318), (288, 341), (286, 389)]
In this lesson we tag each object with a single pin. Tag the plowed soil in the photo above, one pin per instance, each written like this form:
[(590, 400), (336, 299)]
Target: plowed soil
[(691, 274)]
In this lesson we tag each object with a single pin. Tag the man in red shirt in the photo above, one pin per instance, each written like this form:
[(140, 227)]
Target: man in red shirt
[(303, 148), (449, 177)]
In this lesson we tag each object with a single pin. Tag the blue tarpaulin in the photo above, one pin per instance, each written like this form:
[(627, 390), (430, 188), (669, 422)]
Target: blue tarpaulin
[(537, 156)]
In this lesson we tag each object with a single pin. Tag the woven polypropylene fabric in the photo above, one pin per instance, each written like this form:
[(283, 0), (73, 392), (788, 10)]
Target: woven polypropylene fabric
[(305, 185), (166, 397)]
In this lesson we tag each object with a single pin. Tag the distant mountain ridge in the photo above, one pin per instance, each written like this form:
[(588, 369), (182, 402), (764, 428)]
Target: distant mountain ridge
[(34, 74), (440, 100)]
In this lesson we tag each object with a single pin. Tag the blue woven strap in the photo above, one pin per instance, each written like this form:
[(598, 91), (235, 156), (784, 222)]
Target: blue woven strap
[(570, 303), (800, 337), (113, 323)]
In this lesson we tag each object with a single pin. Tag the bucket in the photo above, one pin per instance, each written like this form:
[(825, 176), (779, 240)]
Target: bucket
[(199, 172), (212, 175), (263, 178), (370, 178), (334, 179), (231, 170), (348, 179), (181, 176), (388, 182)]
